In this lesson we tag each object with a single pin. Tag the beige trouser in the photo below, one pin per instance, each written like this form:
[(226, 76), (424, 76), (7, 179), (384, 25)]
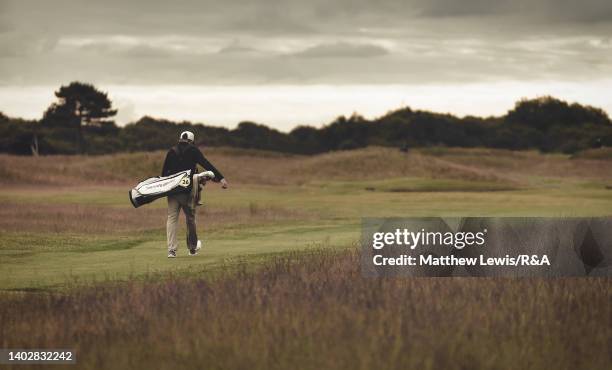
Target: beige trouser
[(186, 202)]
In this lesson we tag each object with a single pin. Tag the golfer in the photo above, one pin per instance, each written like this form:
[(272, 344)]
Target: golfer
[(181, 157)]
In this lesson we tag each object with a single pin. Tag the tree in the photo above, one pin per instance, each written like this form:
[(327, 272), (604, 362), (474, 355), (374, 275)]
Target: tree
[(545, 112), (80, 104)]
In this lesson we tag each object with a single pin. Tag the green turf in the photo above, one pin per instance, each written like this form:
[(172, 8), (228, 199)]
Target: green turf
[(412, 184), (331, 218)]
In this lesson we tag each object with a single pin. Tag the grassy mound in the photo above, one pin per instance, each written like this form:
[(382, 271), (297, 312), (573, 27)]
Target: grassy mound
[(269, 168), (597, 154)]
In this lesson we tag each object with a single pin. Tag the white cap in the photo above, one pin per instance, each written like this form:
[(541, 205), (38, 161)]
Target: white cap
[(186, 136)]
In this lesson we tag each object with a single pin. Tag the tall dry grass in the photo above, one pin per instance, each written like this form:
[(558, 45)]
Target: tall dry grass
[(258, 167), (316, 311)]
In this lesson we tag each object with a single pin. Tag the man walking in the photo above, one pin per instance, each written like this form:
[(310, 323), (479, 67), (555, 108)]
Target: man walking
[(186, 156)]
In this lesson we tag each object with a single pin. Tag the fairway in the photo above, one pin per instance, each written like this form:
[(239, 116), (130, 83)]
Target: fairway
[(56, 235)]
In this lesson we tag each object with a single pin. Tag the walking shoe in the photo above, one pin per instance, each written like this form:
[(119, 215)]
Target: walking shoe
[(172, 254), (193, 252)]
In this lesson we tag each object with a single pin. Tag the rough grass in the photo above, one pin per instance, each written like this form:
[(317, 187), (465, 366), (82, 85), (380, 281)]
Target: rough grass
[(600, 154), (265, 168), (316, 311), (94, 219)]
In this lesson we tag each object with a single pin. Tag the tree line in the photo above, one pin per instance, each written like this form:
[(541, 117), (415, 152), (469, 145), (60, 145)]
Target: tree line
[(81, 121)]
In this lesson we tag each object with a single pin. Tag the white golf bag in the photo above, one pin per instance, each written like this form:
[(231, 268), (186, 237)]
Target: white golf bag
[(159, 187)]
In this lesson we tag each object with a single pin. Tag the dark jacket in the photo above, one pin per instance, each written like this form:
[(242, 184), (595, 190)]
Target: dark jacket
[(185, 156)]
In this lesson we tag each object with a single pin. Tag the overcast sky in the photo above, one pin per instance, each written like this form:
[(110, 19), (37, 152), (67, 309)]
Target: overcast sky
[(289, 62)]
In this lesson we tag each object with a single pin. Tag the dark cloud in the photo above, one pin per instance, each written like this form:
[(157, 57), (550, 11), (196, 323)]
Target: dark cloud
[(247, 41), (531, 10), (446, 8), (276, 16)]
